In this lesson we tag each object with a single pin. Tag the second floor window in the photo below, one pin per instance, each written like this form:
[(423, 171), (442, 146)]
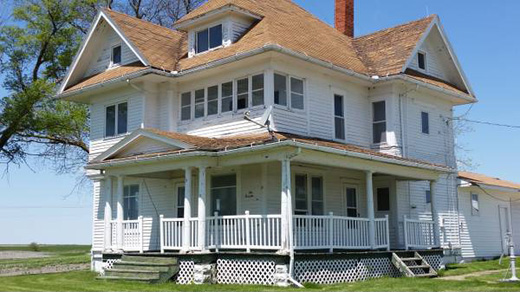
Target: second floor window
[(186, 106), (116, 119), (475, 207), (339, 117), (425, 122), (296, 99), (209, 38), (379, 122)]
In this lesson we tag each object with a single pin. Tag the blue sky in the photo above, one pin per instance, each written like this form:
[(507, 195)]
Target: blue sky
[(38, 206)]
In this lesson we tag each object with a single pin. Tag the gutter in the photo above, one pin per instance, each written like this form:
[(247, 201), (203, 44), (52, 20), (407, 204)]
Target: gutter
[(178, 155)]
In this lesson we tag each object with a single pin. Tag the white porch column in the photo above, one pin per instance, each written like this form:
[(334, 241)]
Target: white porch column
[(202, 208), (286, 205), (435, 214), (187, 209), (108, 212), (120, 214), (370, 209)]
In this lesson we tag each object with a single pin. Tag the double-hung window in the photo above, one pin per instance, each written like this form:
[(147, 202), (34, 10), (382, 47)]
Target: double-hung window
[(200, 103), (379, 122), (213, 100), (425, 122), (339, 117), (116, 119), (209, 38), (227, 97), (130, 202), (258, 90), (242, 93), (180, 201), (186, 106), (302, 195), (295, 98), (428, 197)]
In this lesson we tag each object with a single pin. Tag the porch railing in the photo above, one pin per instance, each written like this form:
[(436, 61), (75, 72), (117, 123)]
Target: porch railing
[(132, 235), (419, 234), (337, 232), (172, 233)]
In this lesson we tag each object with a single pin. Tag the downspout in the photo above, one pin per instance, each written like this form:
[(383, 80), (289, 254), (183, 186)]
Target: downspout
[(291, 233)]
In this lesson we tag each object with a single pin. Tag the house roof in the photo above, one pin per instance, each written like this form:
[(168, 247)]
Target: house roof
[(198, 143), (283, 24), (111, 74), (487, 180)]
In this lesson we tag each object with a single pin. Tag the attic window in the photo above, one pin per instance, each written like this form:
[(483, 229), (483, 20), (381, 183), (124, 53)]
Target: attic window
[(116, 55), (421, 60), (209, 38)]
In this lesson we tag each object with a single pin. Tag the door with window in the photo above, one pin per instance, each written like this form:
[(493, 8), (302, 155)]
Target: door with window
[(224, 194)]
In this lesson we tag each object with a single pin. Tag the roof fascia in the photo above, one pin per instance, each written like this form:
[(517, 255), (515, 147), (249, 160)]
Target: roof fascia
[(436, 23), (138, 134), (101, 14)]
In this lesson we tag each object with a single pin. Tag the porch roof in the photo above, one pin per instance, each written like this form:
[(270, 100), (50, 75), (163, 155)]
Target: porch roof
[(204, 146)]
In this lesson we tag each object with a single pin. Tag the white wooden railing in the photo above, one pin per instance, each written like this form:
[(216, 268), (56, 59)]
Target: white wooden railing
[(263, 232), (419, 234), (337, 232), (132, 235)]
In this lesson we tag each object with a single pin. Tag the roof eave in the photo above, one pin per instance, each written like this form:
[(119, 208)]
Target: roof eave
[(229, 8)]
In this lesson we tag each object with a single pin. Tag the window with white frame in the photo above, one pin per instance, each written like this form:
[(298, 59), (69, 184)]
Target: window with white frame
[(186, 106), (258, 90), (421, 60), (352, 201), (200, 103), (302, 195), (115, 58), (227, 97), (224, 194), (208, 38), (130, 202), (213, 100), (295, 98), (475, 207), (428, 194), (425, 123), (242, 93), (339, 117), (116, 119), (379, 122)]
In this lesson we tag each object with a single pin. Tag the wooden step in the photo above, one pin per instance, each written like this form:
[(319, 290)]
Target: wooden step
[(128, 278), (148, 264), (149, 259), (428, 275), (410, 259), (142, 267), (149, 275), (420, 267), (410, 266)]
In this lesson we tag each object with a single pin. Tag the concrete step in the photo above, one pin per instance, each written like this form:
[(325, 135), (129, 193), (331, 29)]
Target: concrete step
[(149, 259), (143, 267)]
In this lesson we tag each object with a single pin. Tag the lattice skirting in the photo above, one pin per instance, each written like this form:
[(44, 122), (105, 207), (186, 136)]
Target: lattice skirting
[(434, 260), (108, 264), (245, 271), (185, 275)]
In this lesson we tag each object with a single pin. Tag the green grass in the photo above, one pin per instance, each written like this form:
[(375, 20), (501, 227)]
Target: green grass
[(86, 281), (476, 266), (58, 255)]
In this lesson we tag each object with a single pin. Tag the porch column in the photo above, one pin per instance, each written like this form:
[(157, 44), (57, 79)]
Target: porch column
[(120, 214), (435, 214), (286, 205), (187, 209), (370, 209), (108, 212), (202, 208)]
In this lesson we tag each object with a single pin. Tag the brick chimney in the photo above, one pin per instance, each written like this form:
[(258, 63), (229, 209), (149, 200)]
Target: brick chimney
[(344, 17)]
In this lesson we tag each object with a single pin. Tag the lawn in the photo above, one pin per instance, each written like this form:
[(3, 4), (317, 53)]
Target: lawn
[(86, 281), (57, 255)]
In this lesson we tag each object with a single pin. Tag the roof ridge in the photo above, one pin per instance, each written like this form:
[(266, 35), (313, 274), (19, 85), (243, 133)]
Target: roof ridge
[(432, 16)]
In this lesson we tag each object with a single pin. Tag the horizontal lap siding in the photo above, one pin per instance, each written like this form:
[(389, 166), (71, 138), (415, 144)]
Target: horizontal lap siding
[(290, 122), (515, 214), (99, 200)]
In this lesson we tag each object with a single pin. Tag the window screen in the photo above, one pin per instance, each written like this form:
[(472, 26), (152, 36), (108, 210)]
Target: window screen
[(339, 117), (280, 89), (425, 120), (379, 121), (116, 55), (383, 199)]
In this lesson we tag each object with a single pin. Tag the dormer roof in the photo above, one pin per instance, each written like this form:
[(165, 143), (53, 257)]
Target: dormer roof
[(283, 26)]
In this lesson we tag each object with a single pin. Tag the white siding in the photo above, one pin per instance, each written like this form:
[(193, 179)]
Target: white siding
[(103, 52), (99, 199)]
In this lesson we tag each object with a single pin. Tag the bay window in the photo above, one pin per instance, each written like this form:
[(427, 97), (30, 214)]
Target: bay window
[(379, 122), (186, 106), (242, 93), (212, 100), (227, 97), (289, 91), (199, 103), (258, 89)]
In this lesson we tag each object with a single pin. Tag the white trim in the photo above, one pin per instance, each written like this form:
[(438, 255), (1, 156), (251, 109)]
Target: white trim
[(425, 54), (112, 64), (86, 40), (180, 25), (342, 93), (137, 134), (436, 23)]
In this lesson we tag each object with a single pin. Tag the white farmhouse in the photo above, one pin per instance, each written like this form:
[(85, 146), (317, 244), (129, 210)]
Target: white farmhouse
[(256, 144), (490, 215)]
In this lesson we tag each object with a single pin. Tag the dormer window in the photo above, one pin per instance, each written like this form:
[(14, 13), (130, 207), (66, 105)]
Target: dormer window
[(116, 56), (421, 60), (209, 38)]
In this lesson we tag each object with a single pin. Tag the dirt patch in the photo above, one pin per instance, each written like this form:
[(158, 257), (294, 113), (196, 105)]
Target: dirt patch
[(43, 270), (475, 274), (14, 255)]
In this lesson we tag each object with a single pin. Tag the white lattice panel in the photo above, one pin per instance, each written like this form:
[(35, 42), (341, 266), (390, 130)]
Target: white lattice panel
[(185, 275), (235, 271), (370, 268), (108, 265), (326, 271), (434, 260)]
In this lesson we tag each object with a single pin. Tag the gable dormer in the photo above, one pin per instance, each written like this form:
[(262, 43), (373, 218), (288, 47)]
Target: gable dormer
[(216, 29)]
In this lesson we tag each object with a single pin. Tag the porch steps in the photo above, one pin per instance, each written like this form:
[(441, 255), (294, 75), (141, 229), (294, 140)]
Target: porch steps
[(413, 267), (143, 269)]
